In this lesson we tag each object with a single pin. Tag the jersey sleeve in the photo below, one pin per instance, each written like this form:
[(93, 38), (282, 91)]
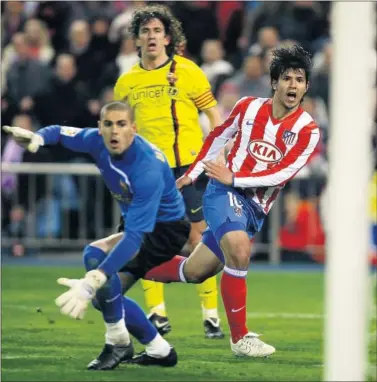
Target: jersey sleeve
[(201, 92), (121, 89), (217, 139), (73, 138), (142, 212), (296, 158)]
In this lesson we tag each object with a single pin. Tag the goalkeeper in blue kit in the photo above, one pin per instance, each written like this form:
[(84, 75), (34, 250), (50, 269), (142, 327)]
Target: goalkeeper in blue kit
[(154, 230)]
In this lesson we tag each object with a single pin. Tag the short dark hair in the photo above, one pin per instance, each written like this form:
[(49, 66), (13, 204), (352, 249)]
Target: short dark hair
[(295, 57), (172, 26), (117, 106)]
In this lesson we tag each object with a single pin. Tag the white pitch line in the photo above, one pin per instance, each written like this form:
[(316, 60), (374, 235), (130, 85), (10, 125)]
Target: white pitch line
[(299, 316), (290, 316), (34, 356)]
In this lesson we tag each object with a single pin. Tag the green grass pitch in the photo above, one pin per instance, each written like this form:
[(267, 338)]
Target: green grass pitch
[(287, 307)]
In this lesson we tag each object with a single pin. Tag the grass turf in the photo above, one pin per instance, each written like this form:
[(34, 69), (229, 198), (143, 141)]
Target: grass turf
[(38, 344)]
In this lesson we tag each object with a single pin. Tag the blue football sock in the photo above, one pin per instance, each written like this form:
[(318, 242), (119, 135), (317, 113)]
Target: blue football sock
[(137, 322), (109, 298)]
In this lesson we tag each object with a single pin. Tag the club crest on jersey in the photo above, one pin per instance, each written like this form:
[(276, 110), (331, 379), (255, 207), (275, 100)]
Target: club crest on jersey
[(172, 92), (125, 196), (69, 131), (288, 137), (265, 151), (124, 187)]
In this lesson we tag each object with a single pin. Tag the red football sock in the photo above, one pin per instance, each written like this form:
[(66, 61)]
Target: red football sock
[(166, 272), (234, 291)]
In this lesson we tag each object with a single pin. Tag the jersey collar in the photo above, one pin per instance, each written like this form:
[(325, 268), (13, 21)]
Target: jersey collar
[(158, 67)]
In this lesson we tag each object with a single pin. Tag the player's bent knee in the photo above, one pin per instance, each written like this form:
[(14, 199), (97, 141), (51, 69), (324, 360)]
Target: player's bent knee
[(195, 277), (237, 249), (108, 243), (194, 274)]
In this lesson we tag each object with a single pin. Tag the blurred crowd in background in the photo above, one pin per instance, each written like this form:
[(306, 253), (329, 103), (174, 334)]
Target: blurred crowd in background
[(60, 61)]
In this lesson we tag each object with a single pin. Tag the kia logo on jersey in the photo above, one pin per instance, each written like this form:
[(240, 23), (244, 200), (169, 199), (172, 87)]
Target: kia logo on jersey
[(265, 151)]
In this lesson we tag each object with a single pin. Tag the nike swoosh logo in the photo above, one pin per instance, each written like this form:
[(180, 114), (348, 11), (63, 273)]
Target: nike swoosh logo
[(249, 123), (237, 310), (113, 299), (197, 210), (160, 325)]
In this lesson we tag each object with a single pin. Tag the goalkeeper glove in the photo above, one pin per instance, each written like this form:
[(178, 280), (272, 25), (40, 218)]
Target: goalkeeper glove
[(25, 138), (74, 302)]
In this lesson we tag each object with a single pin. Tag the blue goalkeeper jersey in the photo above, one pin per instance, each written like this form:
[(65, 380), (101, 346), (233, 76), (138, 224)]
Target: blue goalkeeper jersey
[(140, 179)]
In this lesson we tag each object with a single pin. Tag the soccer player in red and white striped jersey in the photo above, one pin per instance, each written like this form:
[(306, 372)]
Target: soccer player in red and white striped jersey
[(273, 139)]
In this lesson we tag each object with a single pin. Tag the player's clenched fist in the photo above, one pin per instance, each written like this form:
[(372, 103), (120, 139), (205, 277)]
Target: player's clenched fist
[(25, 138), (74, 302)]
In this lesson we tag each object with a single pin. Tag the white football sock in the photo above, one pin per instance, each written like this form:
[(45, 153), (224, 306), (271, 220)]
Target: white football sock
[(117, 333), (158, 347), (209, 313), (159, 309)]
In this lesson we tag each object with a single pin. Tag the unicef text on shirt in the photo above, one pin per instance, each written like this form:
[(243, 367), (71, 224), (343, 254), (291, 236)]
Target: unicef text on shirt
[(155, 92)]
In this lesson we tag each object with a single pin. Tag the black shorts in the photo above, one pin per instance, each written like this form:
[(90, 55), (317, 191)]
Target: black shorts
[(193, 195), (159, 246)]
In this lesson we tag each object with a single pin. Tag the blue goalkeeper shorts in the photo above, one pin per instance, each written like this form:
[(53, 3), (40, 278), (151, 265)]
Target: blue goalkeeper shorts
[(226, 210)]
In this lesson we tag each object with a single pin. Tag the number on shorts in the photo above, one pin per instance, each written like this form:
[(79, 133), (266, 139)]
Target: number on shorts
[(233, 200)]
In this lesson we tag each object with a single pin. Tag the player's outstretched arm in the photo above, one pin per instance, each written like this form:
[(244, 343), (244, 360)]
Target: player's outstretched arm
[(73, 138)]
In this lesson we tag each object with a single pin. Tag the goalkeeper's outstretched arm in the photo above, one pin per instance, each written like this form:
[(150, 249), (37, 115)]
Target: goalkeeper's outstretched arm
[(73, 138)]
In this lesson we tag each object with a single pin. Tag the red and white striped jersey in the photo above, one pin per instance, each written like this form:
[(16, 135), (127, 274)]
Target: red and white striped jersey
[(266, 152)]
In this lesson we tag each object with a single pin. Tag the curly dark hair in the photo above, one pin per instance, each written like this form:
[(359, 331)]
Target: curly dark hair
[(295, 57), (172, 26)]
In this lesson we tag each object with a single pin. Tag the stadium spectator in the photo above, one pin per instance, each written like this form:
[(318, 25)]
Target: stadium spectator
[(12, 20), (127, 56), (120, 25), (11, 54), (268, 38), (199, 23), (57, 15), (38, 39), (214, 66), (64, 99), (21, 84), (321, 76), (248, 80)]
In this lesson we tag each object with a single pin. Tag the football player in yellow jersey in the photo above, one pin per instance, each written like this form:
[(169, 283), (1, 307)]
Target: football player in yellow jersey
[(166, 91)]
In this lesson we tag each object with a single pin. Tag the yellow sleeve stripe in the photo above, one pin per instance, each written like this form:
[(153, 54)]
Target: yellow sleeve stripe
[(197, 99), (205, 101)]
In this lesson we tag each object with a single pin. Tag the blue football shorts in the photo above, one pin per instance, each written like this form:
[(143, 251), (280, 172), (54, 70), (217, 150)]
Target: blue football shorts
[(226, 209)]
